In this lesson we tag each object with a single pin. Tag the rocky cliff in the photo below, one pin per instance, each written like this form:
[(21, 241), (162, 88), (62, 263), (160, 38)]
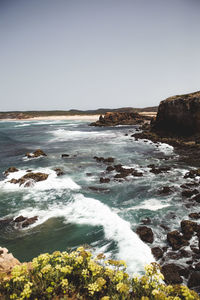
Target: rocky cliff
[(179, 114)]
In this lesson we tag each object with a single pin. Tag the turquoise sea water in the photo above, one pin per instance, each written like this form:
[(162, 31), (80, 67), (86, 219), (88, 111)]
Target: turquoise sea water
[(70, 213)]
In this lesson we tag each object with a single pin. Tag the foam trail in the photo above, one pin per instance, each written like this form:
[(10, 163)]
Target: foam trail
[(151, 204), (92, 212)]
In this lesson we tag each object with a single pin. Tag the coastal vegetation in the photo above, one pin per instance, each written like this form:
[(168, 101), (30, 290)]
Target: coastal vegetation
[(80, 275)]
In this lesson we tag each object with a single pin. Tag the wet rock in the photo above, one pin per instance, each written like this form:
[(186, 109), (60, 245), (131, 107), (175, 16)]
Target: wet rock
[(145, 233), (194, 280), (19, 219), (164, 227), (171, 274), (196, 198), (158, 170), (195, 249), (104, 160), (188, 228), (189, 193), (157, 252), (194, 216), (197, 266), (88, 174), (110, 169), (64, 155), (59, 171), (29, 221), (176, 240), (137, 174), (10, 170), (104, 180), (7, 261), (36, 153), (5, 222), (189, 185), (165, 190), (192, 173), (30, 176)]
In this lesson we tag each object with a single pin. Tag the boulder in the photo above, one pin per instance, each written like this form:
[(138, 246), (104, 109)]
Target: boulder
[(104, 180), (192, 173), (179, 114), (194, 216), (29, 177), (189, 193), (194, 280), (59, 171), (157, 252), (36, 153), (104, 160), (171, 274), (145, 233), (176, 240), (10, 170), (188, 228), (29, 221), (165, 190), (64, 155)]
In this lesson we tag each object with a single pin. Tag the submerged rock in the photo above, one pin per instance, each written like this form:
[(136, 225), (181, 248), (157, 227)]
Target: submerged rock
[(104, 180), (104, 160), (59, 171), (145, 233)]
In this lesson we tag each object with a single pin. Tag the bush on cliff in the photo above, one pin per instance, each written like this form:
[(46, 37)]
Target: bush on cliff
[(79, 275)]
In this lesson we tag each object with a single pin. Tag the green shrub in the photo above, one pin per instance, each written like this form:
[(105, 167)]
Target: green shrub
[(79, 275)]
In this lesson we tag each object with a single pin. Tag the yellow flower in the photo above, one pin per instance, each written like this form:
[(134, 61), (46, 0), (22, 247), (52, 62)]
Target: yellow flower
[(64, 284), (122, 287), (79, 260), (27, 291), (46, 269), (105, 298), (67, 269)]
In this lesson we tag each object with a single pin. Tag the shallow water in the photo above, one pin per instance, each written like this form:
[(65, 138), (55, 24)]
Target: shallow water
[(70, 214)]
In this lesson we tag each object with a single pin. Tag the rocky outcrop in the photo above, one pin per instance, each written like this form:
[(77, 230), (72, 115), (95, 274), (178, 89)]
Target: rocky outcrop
[(30, 178), (145, 233), (7, 261), (120, 118), (179, 114), (10, 170), (36, 153)]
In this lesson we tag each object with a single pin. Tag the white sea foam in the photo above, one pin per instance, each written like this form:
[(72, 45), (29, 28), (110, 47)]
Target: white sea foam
[(151, 204), (92, 212), (165, 148), (52, 182), (64, 135)]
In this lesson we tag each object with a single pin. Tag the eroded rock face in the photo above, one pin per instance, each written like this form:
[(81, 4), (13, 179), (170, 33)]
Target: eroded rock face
[(179, 114), (7, 260), (119, 118)]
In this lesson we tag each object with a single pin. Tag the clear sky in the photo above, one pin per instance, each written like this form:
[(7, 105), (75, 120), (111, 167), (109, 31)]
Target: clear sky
[(86, 54)]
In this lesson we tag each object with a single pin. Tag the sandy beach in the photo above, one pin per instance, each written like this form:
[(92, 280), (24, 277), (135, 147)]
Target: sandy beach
[(67, 118)]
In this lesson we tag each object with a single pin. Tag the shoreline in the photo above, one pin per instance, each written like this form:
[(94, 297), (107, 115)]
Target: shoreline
[(63, 118)]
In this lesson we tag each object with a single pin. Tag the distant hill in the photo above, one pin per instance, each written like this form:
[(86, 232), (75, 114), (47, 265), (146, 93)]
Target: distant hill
[(71, 112)]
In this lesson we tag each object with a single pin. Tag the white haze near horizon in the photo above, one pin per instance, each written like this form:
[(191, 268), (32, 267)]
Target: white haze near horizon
[(87, 54)]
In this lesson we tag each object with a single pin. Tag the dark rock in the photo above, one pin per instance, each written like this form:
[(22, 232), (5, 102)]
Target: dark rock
[(164, 227), (158, 170), (29, 221), (179, 114), (195, 249), (104, 180), (137, 174), (192, 173), (145, 233), (120, 118), (189, 193), (64, 155), (98, 189), (171, 274), (36, 153), (157, 252), (110, 169), (194, 216), (20, 219), (188, 228), (196, 198), (10, 170), (197, 266), (194, 280), (165, 190), (30, 176), (104, 160), (176, 240), (59, 171)]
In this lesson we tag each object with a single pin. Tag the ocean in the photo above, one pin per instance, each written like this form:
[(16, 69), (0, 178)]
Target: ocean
[(76, 209)]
